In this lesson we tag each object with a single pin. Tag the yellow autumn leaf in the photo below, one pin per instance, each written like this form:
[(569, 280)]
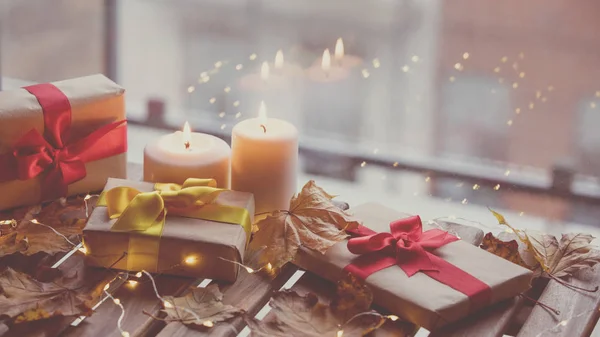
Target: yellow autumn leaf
[(313, 221)]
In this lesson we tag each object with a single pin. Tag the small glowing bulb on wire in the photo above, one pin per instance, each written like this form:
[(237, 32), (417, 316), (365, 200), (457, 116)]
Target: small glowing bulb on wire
[(249, 270), (87, 197), (338, 53), (125, 334), (262, 116), (326, 62), (132, 283), (117, 301), (208, 324), (340, 333), (83, 250), (35, 221), (187, 135), (167, 305), (264, 71), (138, 274), (279, 59), (190, 260), (269, 266), (106, 286), (392, 318)]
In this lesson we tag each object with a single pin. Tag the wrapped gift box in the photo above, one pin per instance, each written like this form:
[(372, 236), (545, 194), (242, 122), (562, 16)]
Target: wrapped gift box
[(207, 242), (419, 298), (75, 109)]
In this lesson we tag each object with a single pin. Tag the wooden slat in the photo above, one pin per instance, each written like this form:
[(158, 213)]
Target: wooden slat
[(490, 322), (578, 310), (250, 292)]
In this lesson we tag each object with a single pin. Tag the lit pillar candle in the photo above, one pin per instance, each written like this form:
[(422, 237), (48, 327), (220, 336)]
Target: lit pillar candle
[(177, 156), (264, 160)]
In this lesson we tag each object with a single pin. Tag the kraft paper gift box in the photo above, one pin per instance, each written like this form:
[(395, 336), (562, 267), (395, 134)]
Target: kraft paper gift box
[(421, 299), (59, 139), (206, 242)]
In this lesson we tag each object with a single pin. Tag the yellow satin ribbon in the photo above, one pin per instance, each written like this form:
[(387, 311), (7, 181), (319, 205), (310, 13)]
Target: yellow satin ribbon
[(145, 212)]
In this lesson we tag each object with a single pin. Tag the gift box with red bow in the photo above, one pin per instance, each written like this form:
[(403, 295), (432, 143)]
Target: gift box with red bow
[(422, 274), (59, 139)]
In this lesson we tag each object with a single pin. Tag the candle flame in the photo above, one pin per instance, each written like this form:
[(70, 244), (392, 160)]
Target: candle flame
[(264, 71), (279, 59), (339, 49), (187, 135), (326, 61), (262, 116)]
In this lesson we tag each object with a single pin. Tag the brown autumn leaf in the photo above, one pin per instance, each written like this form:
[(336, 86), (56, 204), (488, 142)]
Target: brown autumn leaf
[(64, 216), (306, 316), (557, 258), (205, 303), (313, 221), (25, 299), (508, 250)]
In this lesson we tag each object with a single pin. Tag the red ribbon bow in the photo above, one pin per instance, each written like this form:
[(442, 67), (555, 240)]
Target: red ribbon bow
[(409, 248), (61, 158)]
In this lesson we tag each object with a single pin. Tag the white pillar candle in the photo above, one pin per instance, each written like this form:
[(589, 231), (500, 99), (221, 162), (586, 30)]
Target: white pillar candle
[(264, 161), (177, 156)]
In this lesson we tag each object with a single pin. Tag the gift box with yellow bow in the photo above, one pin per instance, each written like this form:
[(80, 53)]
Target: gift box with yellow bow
[(194, 229)]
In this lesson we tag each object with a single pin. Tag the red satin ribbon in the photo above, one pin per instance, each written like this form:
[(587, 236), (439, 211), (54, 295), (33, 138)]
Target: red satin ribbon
[(408, 247), (56, 155)]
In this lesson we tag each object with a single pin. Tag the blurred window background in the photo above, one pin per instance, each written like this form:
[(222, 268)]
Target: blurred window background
[(491, 103)]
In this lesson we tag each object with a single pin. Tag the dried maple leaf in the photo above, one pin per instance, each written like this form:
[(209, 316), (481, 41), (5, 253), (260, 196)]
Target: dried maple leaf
[(313, 221), (508, 250), (205, 303), (25, 299), (557, 258), (305, 316), (64, 216)]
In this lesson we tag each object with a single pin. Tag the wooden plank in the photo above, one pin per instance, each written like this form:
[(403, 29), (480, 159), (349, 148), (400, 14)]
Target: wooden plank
[(490, 322), (250, 292), (578, 310)]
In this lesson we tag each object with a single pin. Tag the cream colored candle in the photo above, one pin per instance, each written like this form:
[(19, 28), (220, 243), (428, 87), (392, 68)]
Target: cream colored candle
[(177, 156), (264, 161)]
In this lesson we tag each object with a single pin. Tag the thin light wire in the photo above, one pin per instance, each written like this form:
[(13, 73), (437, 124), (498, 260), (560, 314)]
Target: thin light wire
[(34, 221), (120, 305)]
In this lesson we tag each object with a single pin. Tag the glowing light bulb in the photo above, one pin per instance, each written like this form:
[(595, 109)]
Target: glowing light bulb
[(208, 324), (264, 71), (34, 221), (269, 266), (138, 274), (117, 301), (167, 305), (187, 135), (340, 333), (132, 283), (190, 260), (106, 286), (83, 250), (339, 50), (249, 270), (87, 197), (392, 318), (326, 62), (125, 334), (279, 59)]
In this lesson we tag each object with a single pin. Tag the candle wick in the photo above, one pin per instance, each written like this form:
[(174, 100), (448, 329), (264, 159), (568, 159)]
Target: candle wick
[(187, 145), (264, 128)]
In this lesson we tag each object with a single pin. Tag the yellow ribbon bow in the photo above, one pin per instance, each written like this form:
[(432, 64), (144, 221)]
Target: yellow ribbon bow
[(145, 212)]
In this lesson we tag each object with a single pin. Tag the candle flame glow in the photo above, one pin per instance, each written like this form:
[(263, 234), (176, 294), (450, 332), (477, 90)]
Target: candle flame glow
[(279, 59), (262, 116), (187, 135), (339, 49), (264, 71), (326, 61)]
